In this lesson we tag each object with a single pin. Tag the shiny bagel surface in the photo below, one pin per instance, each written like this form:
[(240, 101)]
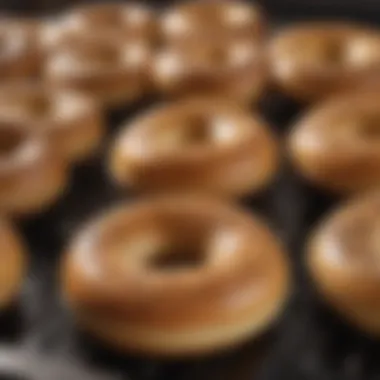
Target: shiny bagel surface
[(336, 144), (125, 21), (226, 67), (314, 60), (194, 21), (71, 120), (112, 71), (343, 259), (175, 276), (197, 145), (32, 173)]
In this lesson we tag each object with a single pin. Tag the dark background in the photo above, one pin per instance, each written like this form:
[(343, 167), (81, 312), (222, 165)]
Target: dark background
[(308, 343), (277, 8)]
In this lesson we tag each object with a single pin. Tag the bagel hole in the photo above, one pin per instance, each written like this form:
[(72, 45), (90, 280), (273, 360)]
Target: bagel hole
[(40, 105), (173, 259), (106, 17), (219, 56), (334, 53), (10, 141), (197, 131), (100, 53)]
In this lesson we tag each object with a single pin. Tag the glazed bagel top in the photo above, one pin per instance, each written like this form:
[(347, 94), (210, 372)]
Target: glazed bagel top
[(42, 107), (63, 115), (192, 20), (344, 251), (96, 63), (175, 262), (125, 21), (234, 68), (313, 60), (336, 144), (195, 144), (22, 152)]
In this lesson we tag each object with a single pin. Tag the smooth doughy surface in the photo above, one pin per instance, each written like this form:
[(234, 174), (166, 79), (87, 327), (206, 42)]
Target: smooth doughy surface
[(72, 121), (195, 20), (197, 145), (32, 173), (236, 288), (112, 71), (344, 261), (312, 61), (234, 68), (126, 21), (336, 144)]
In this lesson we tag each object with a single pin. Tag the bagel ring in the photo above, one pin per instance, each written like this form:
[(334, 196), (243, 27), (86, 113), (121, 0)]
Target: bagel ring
[(196, 145), (230, 68), (13, 263), (175, 276), (336, 144), (343, 260), (73, 121), (32, 174), (112, 71), (196, 20), (125, 21), (312, 61)]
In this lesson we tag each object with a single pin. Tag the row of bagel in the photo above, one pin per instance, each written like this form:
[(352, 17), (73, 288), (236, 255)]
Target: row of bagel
[(180, 273), (200, 145), (121, 52)]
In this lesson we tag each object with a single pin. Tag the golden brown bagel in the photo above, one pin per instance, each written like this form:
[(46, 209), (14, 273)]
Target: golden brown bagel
[(196, 20), (72, 120), (125, 21), (198, 145), (343, 259), (231, 68), (175, 276), (312, 61), (110, 70), (336, 144), (12, 263), (32, 173)]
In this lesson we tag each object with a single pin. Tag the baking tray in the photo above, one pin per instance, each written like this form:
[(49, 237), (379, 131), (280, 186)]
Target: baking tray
[(39, 340)]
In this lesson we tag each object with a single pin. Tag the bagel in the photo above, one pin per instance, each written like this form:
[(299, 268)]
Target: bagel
[(32, 173), (123, 21), (175, 276), (196, 20), (314, 60), (112, 71), (196, 145), (73, 121), (343, 260), (335, 146), (226, 67)]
